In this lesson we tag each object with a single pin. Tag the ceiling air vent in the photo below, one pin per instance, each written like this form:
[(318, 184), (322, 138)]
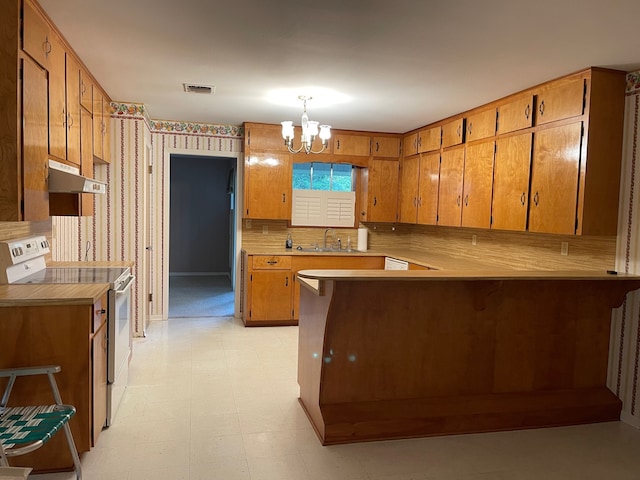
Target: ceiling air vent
[(191, 88)]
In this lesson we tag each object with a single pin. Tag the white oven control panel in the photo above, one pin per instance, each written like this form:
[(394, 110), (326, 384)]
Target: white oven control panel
[(20, 250)]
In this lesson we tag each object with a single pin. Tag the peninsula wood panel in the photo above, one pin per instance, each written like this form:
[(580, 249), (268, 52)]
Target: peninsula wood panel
[(511, 182), (458, 356)]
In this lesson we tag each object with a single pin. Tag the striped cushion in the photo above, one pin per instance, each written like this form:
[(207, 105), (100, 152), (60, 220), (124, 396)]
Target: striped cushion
[(23, 425)]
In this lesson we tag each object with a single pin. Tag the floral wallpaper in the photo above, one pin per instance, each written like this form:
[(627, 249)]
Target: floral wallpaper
[(633, 82)]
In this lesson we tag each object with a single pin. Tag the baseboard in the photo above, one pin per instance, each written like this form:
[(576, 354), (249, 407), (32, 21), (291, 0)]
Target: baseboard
[(630, 419), (156, 318)]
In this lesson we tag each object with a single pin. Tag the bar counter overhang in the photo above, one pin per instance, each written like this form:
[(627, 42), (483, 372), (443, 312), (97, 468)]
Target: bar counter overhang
[(397, 354)]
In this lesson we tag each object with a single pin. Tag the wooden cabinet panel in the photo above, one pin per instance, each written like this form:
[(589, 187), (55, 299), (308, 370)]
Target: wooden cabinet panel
[(267, 137), (86, 91), (429, 139), (57, 99), (270, 295), (563, 101), (268, 186), (450, 197), (99, 390), (511, 182), (410, 145), (98, 125), (453, 133), (73, 110), (86, 160), (429, 181), (481, 125), (408, 203), (388, 147), (36, 35), (478, 179), (382, 195), (415, 266), (35, 192), (554, 179), (515, 115), (351, 145)]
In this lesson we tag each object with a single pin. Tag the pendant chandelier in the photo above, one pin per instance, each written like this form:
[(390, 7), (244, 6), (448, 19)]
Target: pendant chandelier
[(310, 130)]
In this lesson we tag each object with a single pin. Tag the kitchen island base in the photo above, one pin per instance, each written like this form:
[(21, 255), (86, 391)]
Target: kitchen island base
[(402, 355)]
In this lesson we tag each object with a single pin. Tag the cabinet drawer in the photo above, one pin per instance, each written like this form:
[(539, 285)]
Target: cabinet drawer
[(271, 262)]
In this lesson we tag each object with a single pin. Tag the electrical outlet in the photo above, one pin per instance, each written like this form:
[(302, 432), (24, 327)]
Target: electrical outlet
[(564, 248), (248, 223), (265, 229), (474, 239)]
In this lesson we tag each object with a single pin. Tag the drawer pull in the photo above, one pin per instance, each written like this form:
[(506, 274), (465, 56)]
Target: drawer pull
[(272, 262)]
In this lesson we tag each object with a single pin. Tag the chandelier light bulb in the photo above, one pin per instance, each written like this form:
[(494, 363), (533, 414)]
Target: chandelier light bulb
[(309, 132)]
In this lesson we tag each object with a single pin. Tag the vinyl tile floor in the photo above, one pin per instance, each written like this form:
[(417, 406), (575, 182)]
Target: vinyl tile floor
[(209, 399)]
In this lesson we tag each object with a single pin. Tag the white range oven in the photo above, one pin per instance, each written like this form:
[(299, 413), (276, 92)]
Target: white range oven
[(22, 262)]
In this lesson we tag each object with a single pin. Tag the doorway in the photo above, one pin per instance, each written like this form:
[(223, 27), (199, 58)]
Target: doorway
[(201, 236)]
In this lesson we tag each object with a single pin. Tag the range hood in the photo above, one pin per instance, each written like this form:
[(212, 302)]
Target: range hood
[(64, 178)]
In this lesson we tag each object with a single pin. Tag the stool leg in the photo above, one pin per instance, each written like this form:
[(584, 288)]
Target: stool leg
[(74, 452)]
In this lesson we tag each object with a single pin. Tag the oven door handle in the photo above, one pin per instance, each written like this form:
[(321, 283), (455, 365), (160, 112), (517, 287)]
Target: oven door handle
[(127, 285)]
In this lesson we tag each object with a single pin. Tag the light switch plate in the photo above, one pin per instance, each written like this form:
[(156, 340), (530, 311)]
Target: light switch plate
[(265, 229), (564, 248)]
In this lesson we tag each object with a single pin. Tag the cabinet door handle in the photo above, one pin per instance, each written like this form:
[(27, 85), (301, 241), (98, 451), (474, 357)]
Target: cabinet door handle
[(63, 116), (541, 109), (69, 121), (46, 47), (286, 281), (284, 198), (375, 201), (535, 199), (338, 145), (83, 88), (459, 131), (420, 201), (522, 198), (469, 128), (377, 146), (527, 111), (458, 200), (415, 202), (417, 142), (466, 200)]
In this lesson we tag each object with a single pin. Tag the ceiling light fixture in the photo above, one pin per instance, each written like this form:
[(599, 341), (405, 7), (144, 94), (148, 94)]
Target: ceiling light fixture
[(309, 132)]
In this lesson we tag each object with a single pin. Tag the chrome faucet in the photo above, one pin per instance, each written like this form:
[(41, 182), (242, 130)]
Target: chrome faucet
[(324, 245)]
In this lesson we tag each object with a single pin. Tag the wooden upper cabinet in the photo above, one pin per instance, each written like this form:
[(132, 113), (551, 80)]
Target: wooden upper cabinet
[(267, 191), (351, 145), (57, 99), (86, 160), (36, 35), (73, 110), (408, 201), (429, 139), (478, 182), (388, 147), (35, 192), (264, 137), (511, 182), (481, 125), (382, 198), (101, 127), (451, 177), (86, 91), (515, 115), (428, 188), (453, 133), (564, 101), (554, 179), (410, 145)]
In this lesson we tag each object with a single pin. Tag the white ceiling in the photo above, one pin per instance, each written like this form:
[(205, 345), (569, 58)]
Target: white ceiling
[(404, 63)]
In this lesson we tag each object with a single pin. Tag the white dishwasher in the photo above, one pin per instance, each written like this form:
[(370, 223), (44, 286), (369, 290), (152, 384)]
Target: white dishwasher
[(391, 263)]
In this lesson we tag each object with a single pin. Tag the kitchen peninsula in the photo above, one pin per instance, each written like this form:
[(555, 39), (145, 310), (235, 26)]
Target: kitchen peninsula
[(398, 354)]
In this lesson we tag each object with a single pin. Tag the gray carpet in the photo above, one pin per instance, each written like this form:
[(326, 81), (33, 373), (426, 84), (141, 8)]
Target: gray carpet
[(200, 296)]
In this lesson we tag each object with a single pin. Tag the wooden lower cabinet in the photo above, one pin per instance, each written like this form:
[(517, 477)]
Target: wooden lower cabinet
[(65, 335)]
